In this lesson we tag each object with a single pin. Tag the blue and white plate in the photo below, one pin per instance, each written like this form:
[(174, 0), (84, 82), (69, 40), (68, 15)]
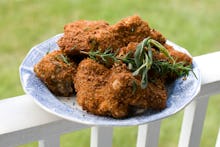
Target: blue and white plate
[(180, 93)]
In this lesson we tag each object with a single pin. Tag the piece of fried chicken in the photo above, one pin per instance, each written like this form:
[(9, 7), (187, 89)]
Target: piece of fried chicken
[(85, 35), (99, 35), (57, 71), (134, 29), (115, 92)]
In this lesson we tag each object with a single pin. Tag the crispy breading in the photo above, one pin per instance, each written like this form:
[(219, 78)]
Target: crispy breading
[(90, 77), (134, 29), (85, 35), (56, 73), (99, 35), (130, 48), (115, 92), (154, 34), (178, 56)]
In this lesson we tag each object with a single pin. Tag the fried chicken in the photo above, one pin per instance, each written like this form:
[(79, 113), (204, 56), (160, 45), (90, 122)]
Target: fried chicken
[(134, 29), (85, 35), (99, 35), (115, 92), (57, 71), (178, 56), (109, 90)]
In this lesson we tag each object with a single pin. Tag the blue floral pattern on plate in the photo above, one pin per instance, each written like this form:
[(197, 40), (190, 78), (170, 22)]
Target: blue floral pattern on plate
[(180, 93)]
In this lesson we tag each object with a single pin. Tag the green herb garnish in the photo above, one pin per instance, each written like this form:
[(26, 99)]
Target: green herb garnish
[(107, 57), (63, 58), (142, 60), (134, 87)]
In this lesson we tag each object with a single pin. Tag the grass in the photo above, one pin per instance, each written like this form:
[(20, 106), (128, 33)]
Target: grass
[(190, 23)]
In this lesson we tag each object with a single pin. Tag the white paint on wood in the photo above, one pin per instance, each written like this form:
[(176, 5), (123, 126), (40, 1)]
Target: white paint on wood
[(101, 136), (192, 125), (38, 132), (20, 113), (209, 67), (148, 134)]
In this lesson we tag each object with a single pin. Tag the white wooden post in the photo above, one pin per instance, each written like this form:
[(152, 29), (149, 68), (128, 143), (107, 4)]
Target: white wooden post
[(148, 134), (193, 120), (101, 136)]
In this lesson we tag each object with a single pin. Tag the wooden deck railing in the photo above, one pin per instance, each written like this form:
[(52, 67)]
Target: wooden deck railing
[(22, 121)]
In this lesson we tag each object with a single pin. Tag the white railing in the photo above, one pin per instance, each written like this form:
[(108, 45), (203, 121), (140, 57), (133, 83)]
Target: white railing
[(22, 121)]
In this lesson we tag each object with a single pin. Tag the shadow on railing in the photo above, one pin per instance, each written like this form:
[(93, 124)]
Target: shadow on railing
[(22, 121)]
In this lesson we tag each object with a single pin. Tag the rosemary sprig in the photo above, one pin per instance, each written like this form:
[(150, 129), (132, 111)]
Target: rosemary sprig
[(142, 60), (63, 58), (107, 57), (177, 69)]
